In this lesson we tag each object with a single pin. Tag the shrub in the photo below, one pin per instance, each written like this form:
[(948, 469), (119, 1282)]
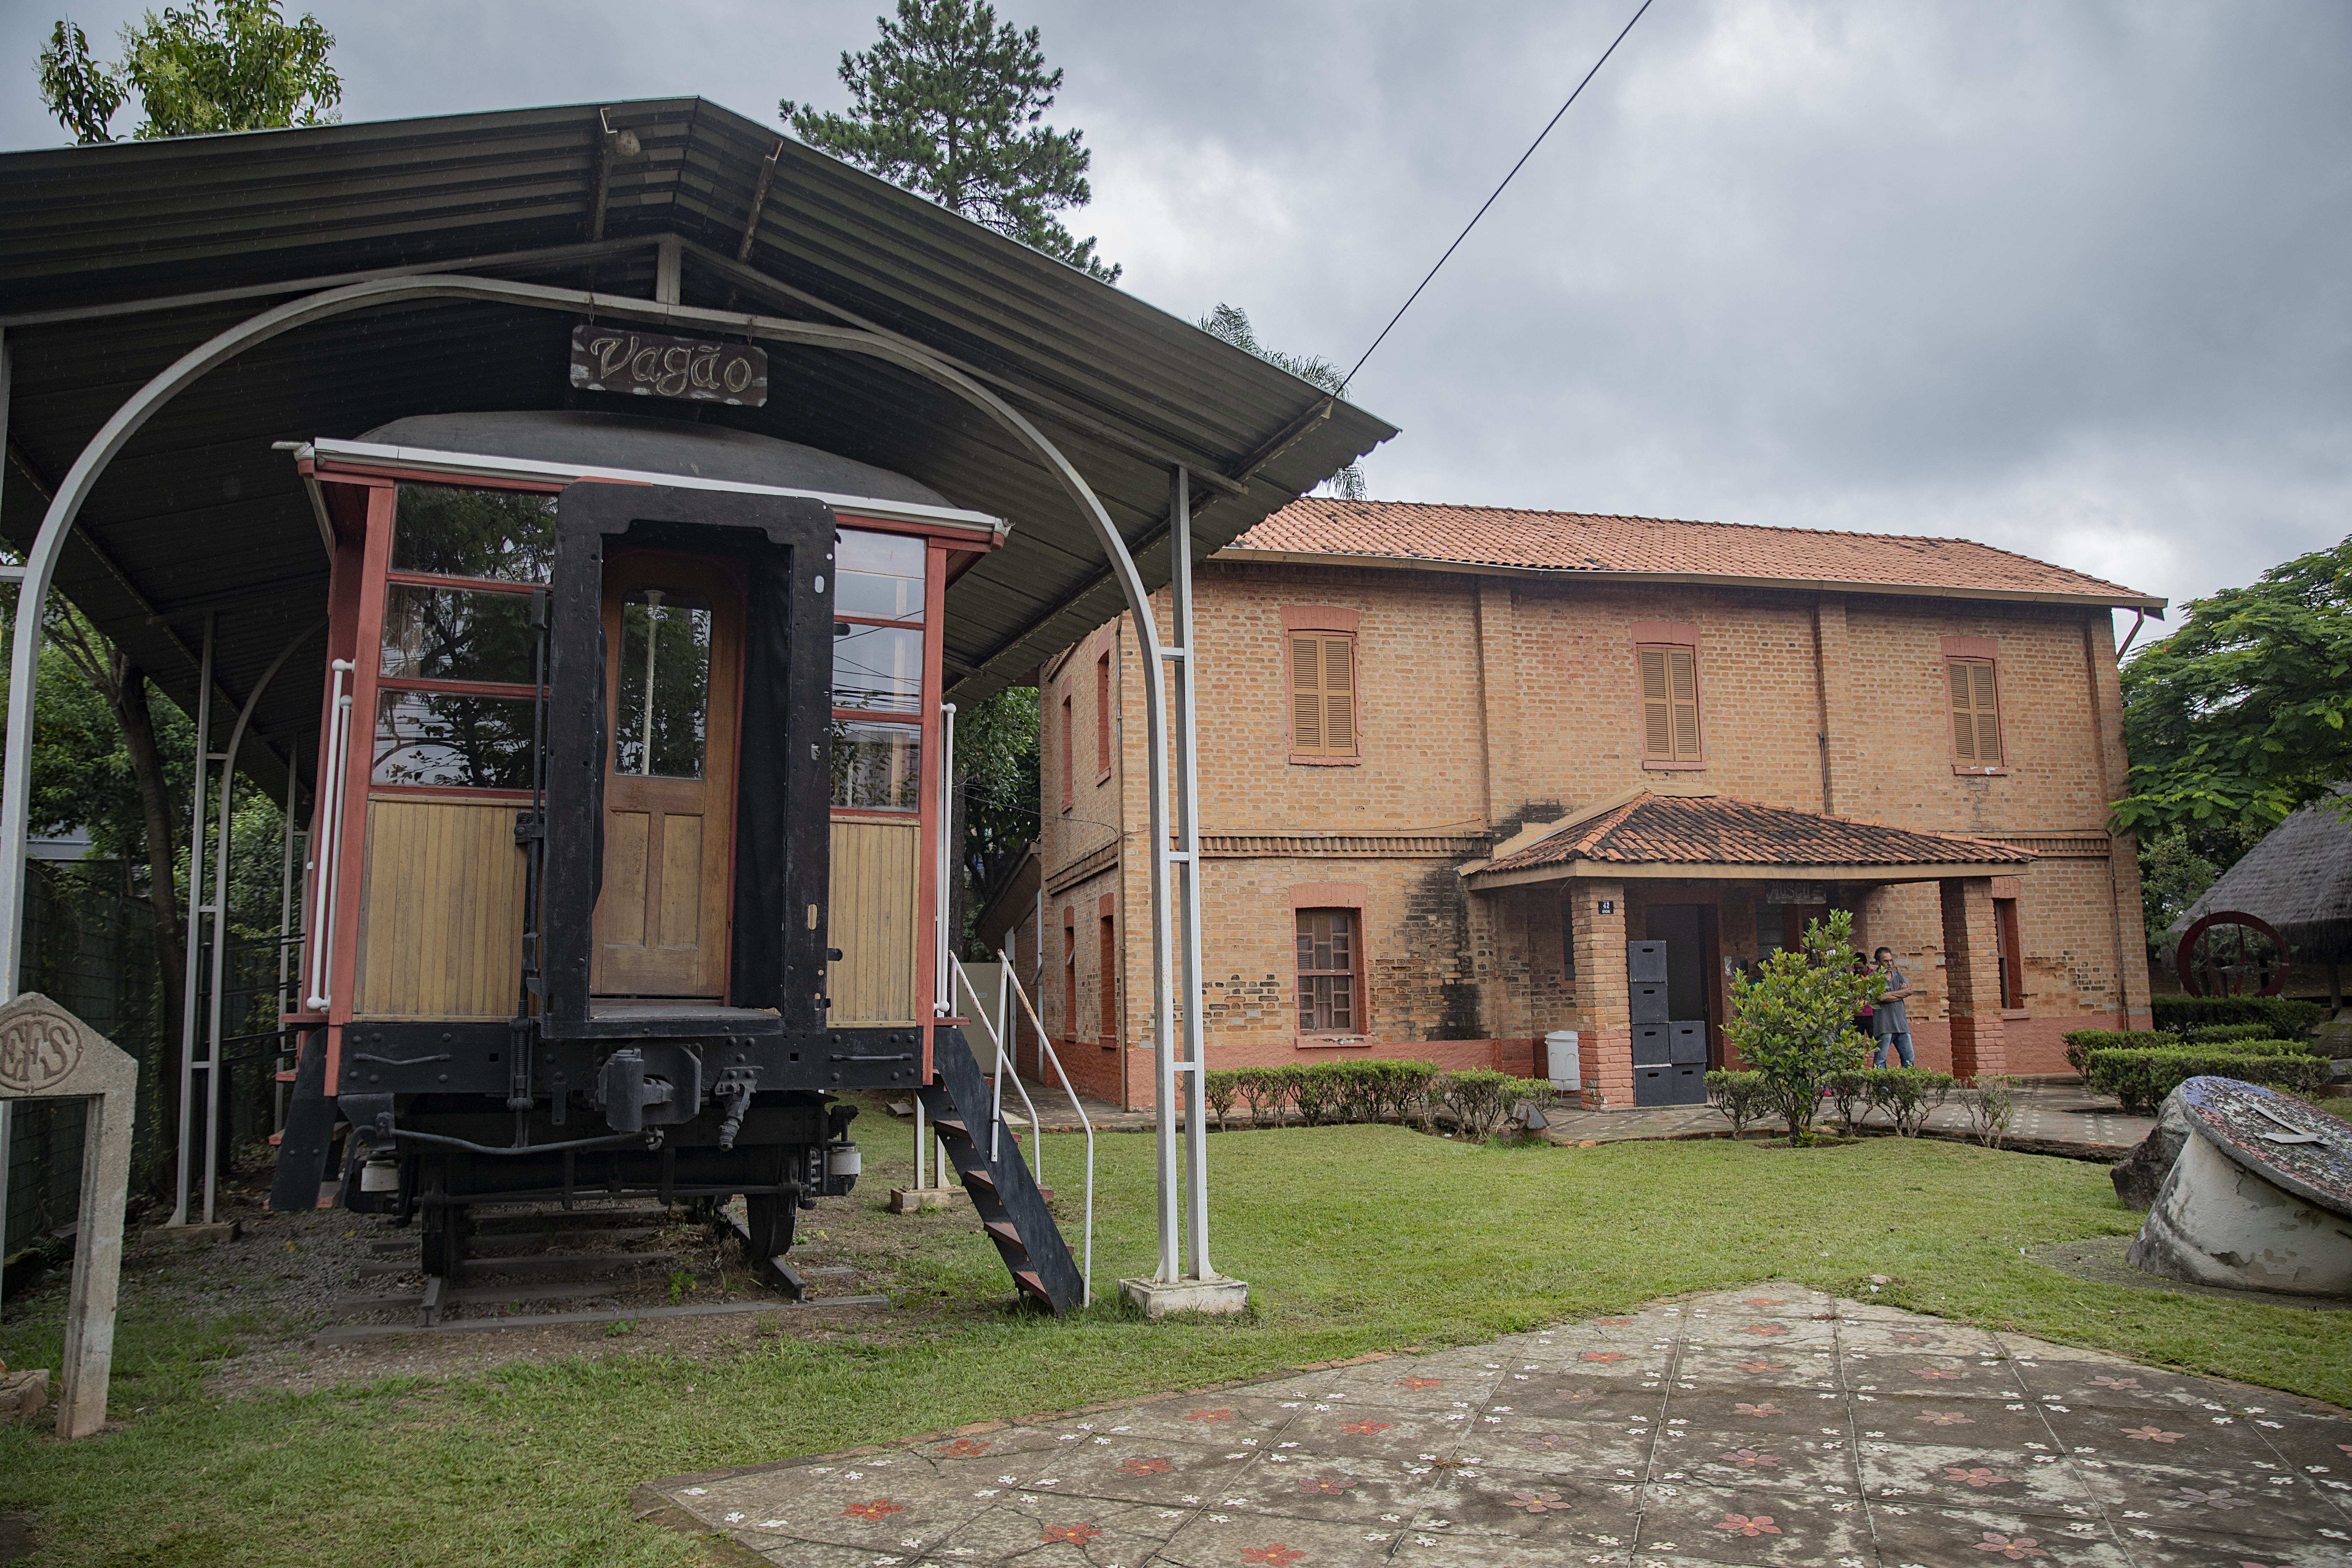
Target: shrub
[(2291, 1018), (1315, 1091), (1482, 1099), (1792, 1020), (1404, 1088), (1221, 1086), (1739, 1095), (1990, 1102), (2141, 1079), (2081, 1043), (1908, 1095), (2216, 1033), (1849, 1092)]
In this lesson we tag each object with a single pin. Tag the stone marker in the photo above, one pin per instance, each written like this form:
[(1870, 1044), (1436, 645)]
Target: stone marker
[(22, 1394), (47, 1053), (2139, 1175), (2259, 1198)]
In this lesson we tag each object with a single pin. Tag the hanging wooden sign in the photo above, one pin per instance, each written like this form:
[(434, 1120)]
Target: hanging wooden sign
[(652, 364)]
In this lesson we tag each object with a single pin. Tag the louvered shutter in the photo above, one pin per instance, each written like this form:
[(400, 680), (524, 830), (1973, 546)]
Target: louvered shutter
[(1988, 718), (1682, 667), (1340, 695), (1307, 694), (1976, 715), (1657, 707)]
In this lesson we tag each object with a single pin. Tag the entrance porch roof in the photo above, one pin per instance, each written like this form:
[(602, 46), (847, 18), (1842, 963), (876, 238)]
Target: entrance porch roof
[(1689, 835)]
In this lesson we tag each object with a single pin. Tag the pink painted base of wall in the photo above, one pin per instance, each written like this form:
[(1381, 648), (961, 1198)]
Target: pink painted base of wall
[(1519, 1058), (2035, 1047)]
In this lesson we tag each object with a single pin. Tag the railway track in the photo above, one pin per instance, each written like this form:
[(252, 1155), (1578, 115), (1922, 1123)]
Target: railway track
[(524, 1266)]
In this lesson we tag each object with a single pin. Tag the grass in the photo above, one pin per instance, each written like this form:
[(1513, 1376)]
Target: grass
[(1353, 1240)]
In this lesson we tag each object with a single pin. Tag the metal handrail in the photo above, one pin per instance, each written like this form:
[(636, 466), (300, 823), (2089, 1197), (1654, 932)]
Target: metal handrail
[(996, 1109), (327, 882), (1045, 1050)]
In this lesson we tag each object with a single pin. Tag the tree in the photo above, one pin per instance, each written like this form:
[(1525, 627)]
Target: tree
[(1232, 324), (2238, 720), (1794, 1020), (949, 105), (996, 767), (237, 65)]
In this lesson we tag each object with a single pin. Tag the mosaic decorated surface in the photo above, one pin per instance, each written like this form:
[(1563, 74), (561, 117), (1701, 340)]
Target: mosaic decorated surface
[(1771, 1426), (2303, 1149)]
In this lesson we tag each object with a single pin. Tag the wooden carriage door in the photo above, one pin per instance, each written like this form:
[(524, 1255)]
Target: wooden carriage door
[(673, 642)]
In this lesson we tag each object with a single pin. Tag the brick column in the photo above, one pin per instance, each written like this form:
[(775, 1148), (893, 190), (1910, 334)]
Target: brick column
[(1604, 1002), (1972, 978)]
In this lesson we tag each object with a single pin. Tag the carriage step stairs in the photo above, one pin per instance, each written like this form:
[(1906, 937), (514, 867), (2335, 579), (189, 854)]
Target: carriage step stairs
[(1011, 1211)]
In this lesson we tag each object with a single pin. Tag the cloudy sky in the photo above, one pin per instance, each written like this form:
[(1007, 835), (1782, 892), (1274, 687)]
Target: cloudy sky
[(2068, 278)]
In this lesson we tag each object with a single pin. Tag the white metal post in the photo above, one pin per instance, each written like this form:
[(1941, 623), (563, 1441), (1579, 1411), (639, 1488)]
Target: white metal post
[(1188, 859), (285, 927), (197, 787), (14, 939)]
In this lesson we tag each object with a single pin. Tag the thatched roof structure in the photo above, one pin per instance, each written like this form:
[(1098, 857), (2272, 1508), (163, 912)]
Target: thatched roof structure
[(2299, 879)]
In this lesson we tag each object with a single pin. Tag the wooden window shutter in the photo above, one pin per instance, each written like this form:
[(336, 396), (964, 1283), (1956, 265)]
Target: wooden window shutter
[(1669, 704), (1323, 695), (1976, 717)]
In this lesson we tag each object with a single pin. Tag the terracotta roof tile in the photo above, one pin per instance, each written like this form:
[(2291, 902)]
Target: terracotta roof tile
[(1578, 542), (1714, 830)]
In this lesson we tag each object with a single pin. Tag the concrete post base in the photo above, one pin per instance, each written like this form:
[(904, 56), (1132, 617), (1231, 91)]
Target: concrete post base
[(913, 1200), (1222, 1297)]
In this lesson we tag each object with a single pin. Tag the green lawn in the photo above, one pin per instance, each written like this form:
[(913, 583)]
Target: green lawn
[(1353, 1240)]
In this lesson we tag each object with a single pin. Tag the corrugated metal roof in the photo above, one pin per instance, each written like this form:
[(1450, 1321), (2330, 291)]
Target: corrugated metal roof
[(199, 514)]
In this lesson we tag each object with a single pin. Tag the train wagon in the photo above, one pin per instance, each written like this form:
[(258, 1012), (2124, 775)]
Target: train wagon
[(626, 850)]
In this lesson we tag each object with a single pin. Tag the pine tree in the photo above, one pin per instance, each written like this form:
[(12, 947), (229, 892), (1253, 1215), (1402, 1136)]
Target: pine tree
[(949, 104)]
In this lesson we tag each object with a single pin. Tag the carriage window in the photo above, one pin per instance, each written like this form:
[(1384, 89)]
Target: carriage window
[(506, 536), (877, 767), (448, 739), (454, 634), (877, 668), (664, 713), (881, 575)]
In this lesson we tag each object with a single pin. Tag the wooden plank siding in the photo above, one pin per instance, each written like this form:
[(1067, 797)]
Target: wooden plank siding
[(875, 879), (440, 910)]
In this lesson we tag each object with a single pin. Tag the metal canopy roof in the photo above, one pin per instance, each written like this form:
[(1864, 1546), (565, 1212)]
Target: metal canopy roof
[(116, 259)]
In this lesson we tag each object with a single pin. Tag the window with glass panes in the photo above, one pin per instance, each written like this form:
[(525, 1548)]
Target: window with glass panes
[(1327, 971), (878, 671), (458, 671)]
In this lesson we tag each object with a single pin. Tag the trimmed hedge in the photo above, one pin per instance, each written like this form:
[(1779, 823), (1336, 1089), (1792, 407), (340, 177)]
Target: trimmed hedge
[(2081, 1043), (2142, 1079), (2289, 1018), (1365, 1089)]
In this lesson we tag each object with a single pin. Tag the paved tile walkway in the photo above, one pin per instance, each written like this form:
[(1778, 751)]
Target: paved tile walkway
[(1766, 1426)]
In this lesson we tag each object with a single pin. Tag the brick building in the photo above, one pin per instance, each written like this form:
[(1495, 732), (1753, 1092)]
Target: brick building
[(1452, 761)]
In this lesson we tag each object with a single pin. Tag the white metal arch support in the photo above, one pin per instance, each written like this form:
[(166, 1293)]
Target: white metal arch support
[(73, 490)]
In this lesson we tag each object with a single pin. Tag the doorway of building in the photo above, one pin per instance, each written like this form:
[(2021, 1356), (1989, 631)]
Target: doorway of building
[(673, 639)]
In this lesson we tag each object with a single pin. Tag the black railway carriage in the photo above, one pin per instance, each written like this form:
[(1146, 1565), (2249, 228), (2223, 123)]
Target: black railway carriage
[(605, 695)]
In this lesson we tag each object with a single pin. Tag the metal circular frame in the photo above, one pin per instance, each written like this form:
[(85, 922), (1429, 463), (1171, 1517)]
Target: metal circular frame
[(2186, 972)]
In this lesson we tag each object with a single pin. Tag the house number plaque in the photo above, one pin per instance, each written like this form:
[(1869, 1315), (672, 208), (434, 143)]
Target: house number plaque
[(652, 364)]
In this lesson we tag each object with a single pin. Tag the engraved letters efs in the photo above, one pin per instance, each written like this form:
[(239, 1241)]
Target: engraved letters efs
[(38, 1051), (648, 364)]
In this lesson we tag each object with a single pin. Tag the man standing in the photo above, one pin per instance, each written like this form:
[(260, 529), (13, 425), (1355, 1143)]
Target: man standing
[(1891, 1024)]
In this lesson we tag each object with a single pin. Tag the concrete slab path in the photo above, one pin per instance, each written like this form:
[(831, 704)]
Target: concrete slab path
[(1770, 1427)]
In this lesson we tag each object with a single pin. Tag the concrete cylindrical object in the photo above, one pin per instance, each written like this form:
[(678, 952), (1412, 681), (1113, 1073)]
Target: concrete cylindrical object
[(1560, 1061), (2216, 1223)]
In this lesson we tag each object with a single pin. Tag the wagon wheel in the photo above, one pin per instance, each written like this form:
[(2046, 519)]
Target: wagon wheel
[(770, 1218), (2224, 954), (443, 1242)]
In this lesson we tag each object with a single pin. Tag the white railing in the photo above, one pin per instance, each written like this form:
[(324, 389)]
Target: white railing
[(997, 1031), (328, 840)]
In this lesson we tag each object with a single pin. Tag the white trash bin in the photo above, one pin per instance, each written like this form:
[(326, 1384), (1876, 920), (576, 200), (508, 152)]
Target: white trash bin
[(1560, 1061)]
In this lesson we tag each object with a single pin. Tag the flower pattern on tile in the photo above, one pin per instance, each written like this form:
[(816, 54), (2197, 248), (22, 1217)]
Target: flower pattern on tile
[(1070, 1534), (2153, 1433), (881, 1507), (1744, 1409), (1974, 1476), (1274, 1556), (1579, 1396), (1324, 1485), (1764, 1329), (1537, 1502), (1749, 1458), (1364, 1429), (1421, 1383), (1761, 1366), (1937, 1372), (1742, 1524), (1945, 1418), (1209, 1415), (2115, 1382), (2016, 1548), (1614, 1323), (1547, 1444), (1145, 1467), (1766, 1301), (1605, 1355), (961, 1448), (2222, 1499)]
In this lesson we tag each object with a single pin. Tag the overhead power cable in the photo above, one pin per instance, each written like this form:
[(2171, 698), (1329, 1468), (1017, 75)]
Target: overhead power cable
[(1499, 189)]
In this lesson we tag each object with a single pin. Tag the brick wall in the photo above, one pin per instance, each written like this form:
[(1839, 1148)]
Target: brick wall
[(1485, 702)]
